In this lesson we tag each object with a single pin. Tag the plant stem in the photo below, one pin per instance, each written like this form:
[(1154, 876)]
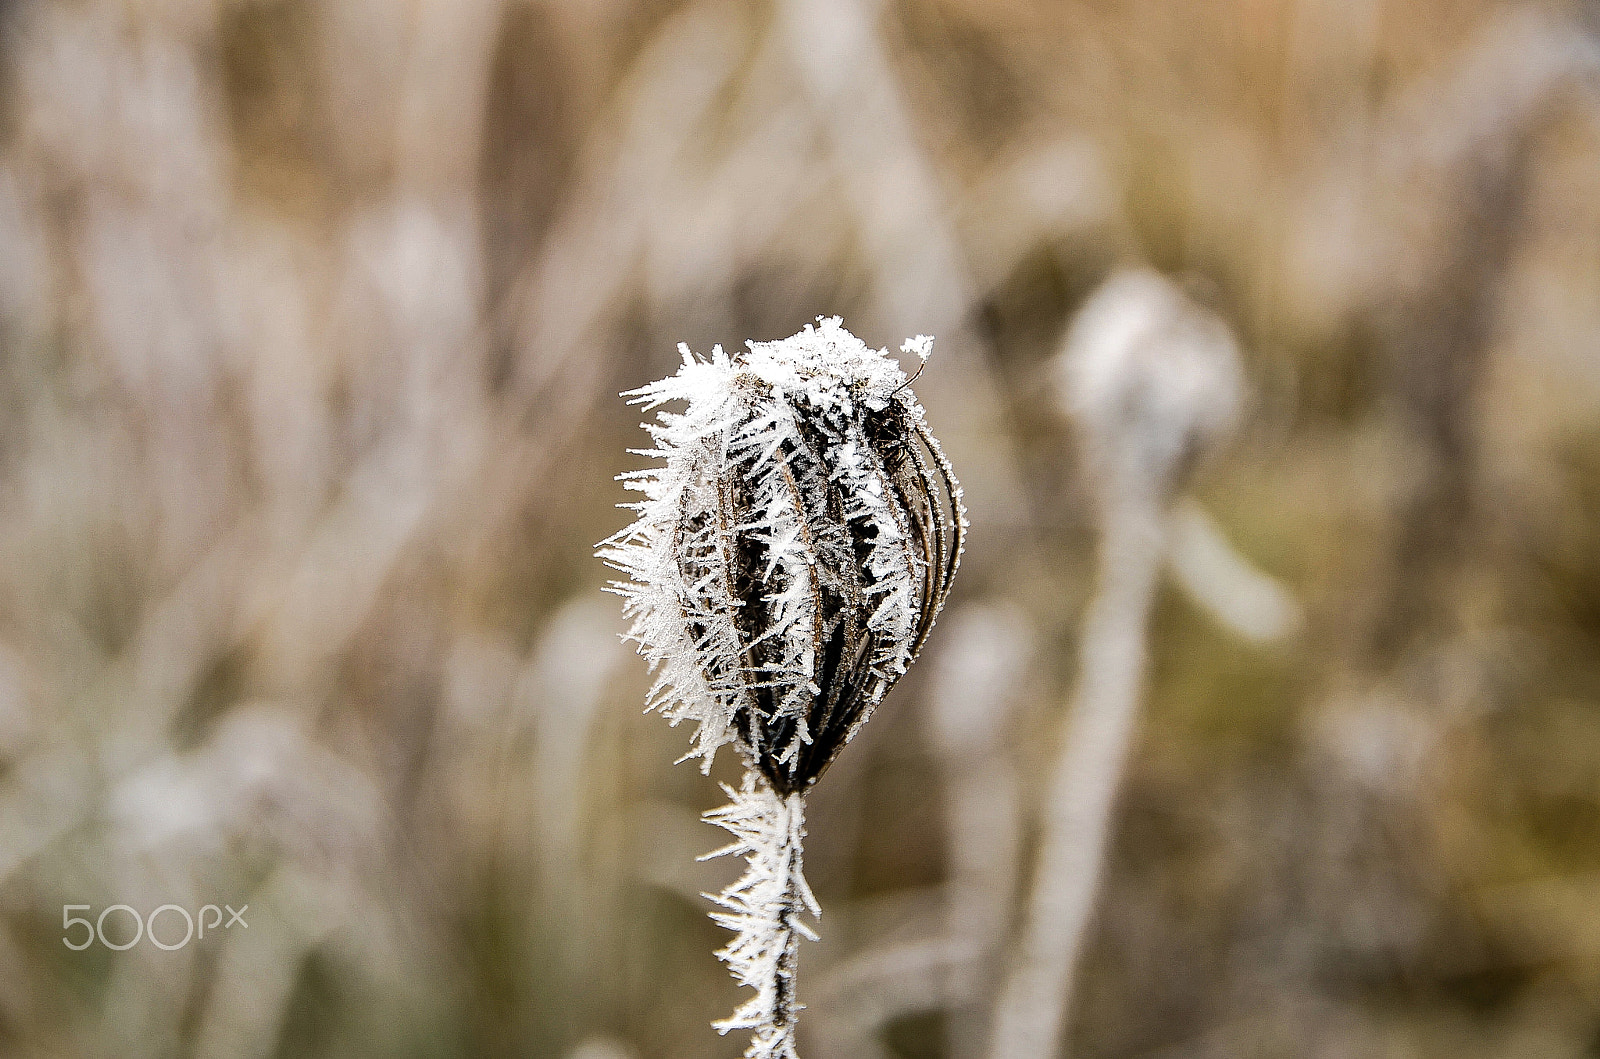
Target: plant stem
[(763, 910), (1030, 1021)]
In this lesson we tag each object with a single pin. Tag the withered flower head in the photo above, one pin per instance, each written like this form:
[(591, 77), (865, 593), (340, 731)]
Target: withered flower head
[(791, 555)]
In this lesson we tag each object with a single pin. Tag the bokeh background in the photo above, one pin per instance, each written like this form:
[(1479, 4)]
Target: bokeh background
[(313, 314)]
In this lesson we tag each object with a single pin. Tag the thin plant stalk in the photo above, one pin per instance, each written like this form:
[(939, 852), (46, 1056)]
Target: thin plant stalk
[(1150, 377), (1077, 820), (763, 909), (978, 681)]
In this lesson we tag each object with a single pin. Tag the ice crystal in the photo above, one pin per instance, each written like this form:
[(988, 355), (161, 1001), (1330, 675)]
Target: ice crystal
[(790, 555)]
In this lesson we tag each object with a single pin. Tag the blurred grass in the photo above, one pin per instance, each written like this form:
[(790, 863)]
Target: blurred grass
[(311, 319)]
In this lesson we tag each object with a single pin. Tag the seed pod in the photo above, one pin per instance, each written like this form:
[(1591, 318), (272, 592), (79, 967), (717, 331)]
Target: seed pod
[(791, 555), (1153, 380)]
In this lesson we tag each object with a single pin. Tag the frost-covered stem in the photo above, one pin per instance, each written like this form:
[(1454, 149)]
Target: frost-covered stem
[(1031, 1018), (763, 910)]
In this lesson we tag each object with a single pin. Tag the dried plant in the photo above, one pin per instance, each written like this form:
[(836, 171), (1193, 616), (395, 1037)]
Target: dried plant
[(786, 568), (1151, 378)]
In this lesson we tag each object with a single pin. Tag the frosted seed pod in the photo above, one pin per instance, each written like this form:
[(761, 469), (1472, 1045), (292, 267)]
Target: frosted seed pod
[(791, 555), (1151, 378)]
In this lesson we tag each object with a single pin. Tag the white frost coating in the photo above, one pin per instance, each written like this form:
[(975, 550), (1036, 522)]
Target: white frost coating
[(891, 561), (763, 907)]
